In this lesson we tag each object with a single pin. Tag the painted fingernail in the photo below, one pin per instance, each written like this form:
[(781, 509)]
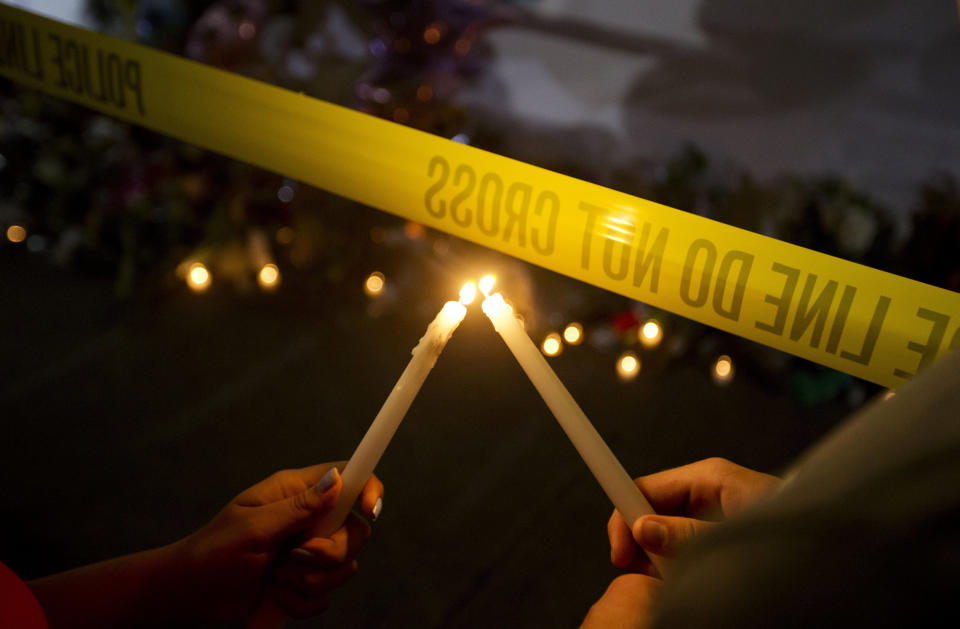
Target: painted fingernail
[(327, 481), (377, 508), (303, 552), (653, 534)]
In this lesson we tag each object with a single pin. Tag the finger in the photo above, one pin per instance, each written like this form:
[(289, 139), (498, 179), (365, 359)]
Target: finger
[(285, 483), (642, 564), (707, 489), (296, 605), (628, 601), (341, 546), (667, 535), (371, 498), (623, 550), (313, 582), (275, 521)]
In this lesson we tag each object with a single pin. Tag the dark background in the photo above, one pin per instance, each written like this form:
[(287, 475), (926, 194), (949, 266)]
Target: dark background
[(132, 409)]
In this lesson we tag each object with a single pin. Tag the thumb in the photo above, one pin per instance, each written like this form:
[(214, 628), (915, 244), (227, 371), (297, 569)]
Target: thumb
[(667, 535), (277, 520)]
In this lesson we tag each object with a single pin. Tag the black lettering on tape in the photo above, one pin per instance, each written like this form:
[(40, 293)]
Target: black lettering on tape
[(740, 286), (545, 247), (873, 333), (516, 213), (464, 219), (782, 301), (588, 229), (840, 319), (619, 236), (806, 313), (706, 276), (488, 207), (928, 351), (645, 259), (440, 210)]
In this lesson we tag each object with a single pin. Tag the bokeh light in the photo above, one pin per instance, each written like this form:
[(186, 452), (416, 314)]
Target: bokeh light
[(433, 33), (552, 345), (373, 285), (651, 333), (628, 366), (424, 93), (16, 233), (268, 277), (573, 334), (414, 230), (285, 235), (198, 277), (723, 370)]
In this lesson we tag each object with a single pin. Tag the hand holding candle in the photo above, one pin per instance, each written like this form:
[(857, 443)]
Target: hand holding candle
[(381, 431), (617, 484)]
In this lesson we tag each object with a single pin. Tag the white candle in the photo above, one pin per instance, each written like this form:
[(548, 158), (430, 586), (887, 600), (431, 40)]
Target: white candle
[(381, 431), (617, 484), (385, 424)]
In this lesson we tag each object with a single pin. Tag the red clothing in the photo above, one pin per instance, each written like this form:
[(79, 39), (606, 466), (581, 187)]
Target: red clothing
[(18, 607)]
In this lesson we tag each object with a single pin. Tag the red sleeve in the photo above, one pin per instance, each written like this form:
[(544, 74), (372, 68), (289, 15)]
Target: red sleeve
[(18, 607)]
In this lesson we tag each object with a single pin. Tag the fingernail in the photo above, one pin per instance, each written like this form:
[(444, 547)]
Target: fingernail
[(303, 552), (327, 481), (653, 534), (377, 508)]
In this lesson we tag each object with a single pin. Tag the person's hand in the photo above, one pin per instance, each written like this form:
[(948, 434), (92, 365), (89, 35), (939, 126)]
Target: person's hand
[(626, 604), (259, 542), (688, 500)]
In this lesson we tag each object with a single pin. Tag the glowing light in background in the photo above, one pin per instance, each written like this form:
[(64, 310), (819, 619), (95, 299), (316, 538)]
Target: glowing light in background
[(723, 370), (414, 230), (247, 30), (285, 235), (268, 277), (468, 293), (573, 334), (552, 345), (16, 233), (424, 93), (373, 285), (888, 395), (651, 333), (628, 366), (198, 277), (486, 284), (285, 194), (433, 33)]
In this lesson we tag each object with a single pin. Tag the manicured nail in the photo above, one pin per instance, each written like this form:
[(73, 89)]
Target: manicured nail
[(377, 508), (327, 481), (303, 552), (653, 534)]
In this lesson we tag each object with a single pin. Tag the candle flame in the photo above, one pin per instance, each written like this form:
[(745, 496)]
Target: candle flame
[(468, 293), (486, 284)]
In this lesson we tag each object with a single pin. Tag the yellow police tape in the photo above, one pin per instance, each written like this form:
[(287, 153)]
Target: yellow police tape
[(872, 324)]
